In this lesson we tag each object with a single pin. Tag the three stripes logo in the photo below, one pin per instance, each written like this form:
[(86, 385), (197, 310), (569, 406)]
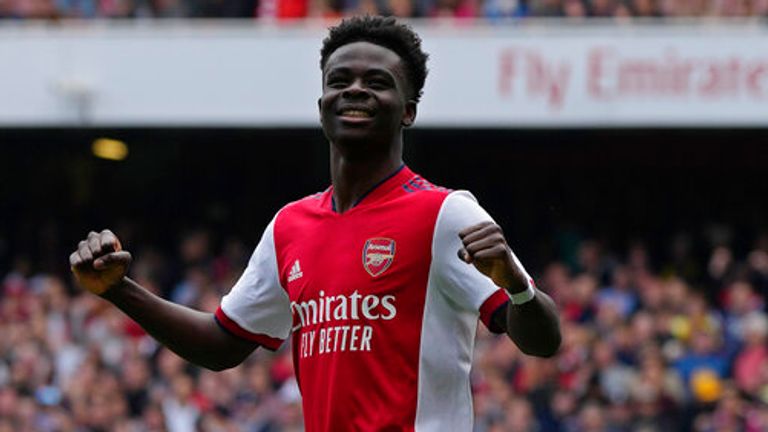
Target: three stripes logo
[(295, 272)]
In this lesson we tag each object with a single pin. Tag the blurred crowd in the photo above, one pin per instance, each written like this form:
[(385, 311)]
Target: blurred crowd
[(490, 10), (679, 345), (672, 344)]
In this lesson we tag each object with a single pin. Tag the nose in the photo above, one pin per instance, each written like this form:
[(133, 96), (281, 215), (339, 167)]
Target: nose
[(355, 90)]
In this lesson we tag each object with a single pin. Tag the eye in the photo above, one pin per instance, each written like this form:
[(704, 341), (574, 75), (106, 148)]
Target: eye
[(378, 84), (336, 82)]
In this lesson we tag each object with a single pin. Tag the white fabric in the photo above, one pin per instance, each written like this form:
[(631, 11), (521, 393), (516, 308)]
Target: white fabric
[(523, 297), (455, 292), (460, 281), (257, 302)]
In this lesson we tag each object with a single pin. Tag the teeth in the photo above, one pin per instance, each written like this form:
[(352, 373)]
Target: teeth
[(355, 113)]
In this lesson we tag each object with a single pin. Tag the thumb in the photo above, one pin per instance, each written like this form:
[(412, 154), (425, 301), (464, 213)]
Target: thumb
[(120, 258), (464, 255)]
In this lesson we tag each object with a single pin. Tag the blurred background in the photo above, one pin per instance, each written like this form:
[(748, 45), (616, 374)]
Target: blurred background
[(622, 146)]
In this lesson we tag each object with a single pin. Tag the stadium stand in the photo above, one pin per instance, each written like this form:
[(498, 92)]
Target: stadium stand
[(644, 349), (298, 9)]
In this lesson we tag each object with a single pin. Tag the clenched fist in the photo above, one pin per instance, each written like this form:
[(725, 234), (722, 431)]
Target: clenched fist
[(485, 247), (99, 263)]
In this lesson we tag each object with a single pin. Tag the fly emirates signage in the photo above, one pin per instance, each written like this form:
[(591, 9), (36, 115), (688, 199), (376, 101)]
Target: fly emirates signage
[(527, 73), (655, 76)]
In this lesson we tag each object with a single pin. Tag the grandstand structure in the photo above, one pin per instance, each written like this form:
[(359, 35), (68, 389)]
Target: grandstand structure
[(624, 156)]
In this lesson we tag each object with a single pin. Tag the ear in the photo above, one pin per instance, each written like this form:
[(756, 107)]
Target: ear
[(409, 115), (319, 109)]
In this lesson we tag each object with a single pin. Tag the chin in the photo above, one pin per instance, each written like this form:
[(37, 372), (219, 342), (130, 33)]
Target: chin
[(354, 133), (354, 138)]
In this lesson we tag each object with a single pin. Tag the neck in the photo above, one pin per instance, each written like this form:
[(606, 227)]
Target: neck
[(353, 178)]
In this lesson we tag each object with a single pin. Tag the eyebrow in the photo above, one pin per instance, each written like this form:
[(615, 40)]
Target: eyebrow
[(369, 72)]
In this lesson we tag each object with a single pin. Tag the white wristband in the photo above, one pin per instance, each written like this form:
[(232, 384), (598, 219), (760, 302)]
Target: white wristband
[(524, 296)]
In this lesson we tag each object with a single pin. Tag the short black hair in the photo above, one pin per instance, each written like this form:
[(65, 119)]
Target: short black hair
[(386, 32)]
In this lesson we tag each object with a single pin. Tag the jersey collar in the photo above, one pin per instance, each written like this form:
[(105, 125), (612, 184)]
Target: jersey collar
[(378, 191)]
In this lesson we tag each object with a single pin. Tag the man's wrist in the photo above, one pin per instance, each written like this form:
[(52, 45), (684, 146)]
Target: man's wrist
[(524, 296), (113, 290)]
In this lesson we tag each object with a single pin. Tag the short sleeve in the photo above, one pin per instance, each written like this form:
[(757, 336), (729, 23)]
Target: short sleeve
[(462, 283), (257, 307)]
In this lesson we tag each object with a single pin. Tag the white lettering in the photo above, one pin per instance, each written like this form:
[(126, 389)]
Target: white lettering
[(388, 302), (328, 309), (354, 297), (298, 323), (306, 308), (365, 342), (353, 338), (369, 303), (336, 338), (328, 339), (321, 308), (344, 337), (307, 340), (303, 350), (340, 312), (328, 301)]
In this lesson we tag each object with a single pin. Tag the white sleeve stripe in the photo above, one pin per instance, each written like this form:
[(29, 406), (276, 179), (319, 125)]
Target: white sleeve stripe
[(462, 282), (258, 303)]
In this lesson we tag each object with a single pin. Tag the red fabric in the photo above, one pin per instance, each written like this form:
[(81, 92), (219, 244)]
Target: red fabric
[(491, 304), (231, 326), (359, 372), (292, 8)]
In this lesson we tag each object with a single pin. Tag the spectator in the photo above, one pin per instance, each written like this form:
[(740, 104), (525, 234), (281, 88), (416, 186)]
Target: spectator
[(750, 369), (180, 410), (677, 359), (619, 293)]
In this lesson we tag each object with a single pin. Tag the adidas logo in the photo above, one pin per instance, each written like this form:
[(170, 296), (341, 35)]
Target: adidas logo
[(295, 272)]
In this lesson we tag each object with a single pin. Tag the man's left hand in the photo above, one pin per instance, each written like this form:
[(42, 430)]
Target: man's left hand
[(486, 248)]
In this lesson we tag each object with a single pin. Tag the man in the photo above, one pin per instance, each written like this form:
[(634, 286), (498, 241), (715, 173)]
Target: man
[(379, 280)]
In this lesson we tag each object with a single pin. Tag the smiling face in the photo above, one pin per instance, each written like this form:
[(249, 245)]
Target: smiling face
[(366, 96)]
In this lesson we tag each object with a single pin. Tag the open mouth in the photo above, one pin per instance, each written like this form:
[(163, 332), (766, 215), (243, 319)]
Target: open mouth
[(355, 113)]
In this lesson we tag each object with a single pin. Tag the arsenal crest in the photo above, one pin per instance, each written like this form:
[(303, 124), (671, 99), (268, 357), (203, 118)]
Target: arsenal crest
[(378, 254)]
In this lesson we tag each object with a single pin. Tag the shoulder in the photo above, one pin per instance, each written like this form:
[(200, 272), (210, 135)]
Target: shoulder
[(445, 201), (461, 209), (297, 214), (417, 183), (418, 190), (308, 203), (461, 200)]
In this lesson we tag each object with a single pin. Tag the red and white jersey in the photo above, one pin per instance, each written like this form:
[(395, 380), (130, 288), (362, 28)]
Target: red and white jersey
[(381, 311)]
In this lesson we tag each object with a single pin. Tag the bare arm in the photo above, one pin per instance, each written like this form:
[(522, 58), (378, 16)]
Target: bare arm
[(100, 266), (533, 326)]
